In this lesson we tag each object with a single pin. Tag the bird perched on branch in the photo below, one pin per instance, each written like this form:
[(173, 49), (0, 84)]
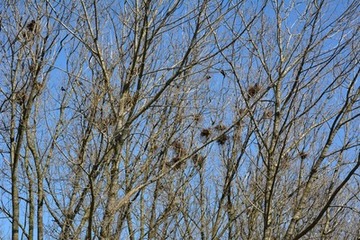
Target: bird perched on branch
[(223, 73)]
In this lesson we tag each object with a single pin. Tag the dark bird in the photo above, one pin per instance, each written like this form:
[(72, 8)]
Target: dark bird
[(223, 73), (63, 89)]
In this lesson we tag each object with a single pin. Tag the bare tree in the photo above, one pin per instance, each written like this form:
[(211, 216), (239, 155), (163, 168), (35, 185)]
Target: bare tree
[(290, 88), (180, 120)]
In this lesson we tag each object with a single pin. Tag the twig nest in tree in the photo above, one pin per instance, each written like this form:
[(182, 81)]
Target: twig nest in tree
[(303, 155), (178, 148), (176, 163), (241, 111), (197, 118), (33, 68), (30, 30), (267, 114), (198, 160), (38, 86), (220, 127), (33, 27), (254, 89), (237, 124), (20, 97), (177, 145), (205, 133), (154, 147), (222, 139)]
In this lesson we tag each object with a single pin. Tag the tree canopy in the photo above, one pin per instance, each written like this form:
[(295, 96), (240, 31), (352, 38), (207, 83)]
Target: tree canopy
[(179, 119)]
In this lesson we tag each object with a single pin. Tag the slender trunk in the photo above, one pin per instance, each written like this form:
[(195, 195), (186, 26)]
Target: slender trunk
[(30, 199), (152, 221), (230, 214), (30, 140), (40, 203), (268, 211), (272, 166), (14, 166), (203, 207), (15, 157), (92, 209), (111, 201), (14, 200)]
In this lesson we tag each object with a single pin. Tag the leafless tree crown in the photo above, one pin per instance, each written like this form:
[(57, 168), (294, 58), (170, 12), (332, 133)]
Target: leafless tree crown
[(179, 119)]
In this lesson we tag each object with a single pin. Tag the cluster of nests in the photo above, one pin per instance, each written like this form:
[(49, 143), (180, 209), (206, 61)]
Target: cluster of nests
[(178, 162), (206, 133)]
